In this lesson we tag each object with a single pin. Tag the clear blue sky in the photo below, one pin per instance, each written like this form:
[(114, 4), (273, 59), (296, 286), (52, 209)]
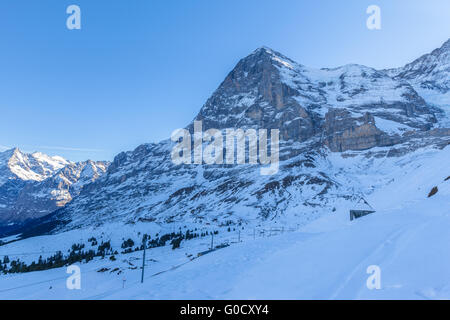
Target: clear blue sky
[(138, 69)]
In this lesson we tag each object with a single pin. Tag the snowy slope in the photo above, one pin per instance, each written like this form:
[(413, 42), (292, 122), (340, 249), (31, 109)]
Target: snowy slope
[(409, 246)]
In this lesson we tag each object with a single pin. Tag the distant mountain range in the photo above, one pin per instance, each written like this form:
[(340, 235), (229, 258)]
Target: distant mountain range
[(34, 185), (352, 110)]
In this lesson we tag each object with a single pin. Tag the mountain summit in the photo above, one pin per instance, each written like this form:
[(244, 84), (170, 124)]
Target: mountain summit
[(322, 114), (15, 164), (350, 108)]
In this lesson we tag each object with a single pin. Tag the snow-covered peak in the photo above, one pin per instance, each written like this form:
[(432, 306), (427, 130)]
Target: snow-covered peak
[(55, 162), (15, 164), (271, 90), (263, 49), (276, 58), (431, 71), (446, 45), (430, 77)]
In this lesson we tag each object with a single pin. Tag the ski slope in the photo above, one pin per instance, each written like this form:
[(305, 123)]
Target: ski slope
[(410, 245)]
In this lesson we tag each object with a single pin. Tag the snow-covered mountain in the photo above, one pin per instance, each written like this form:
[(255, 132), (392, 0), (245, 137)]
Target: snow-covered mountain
[(354, 110), (351, 108), (430, 76), (34, 185), (15, 164)]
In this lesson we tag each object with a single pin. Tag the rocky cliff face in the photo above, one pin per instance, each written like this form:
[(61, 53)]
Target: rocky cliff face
[(254, 95), (348, 107), (351, 109)]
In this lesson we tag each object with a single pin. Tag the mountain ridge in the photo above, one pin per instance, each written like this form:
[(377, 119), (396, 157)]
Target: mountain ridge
[(15, 164), (352, 110)]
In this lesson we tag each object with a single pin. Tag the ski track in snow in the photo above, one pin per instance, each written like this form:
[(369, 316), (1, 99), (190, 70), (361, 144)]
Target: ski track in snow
[(294, 265)]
